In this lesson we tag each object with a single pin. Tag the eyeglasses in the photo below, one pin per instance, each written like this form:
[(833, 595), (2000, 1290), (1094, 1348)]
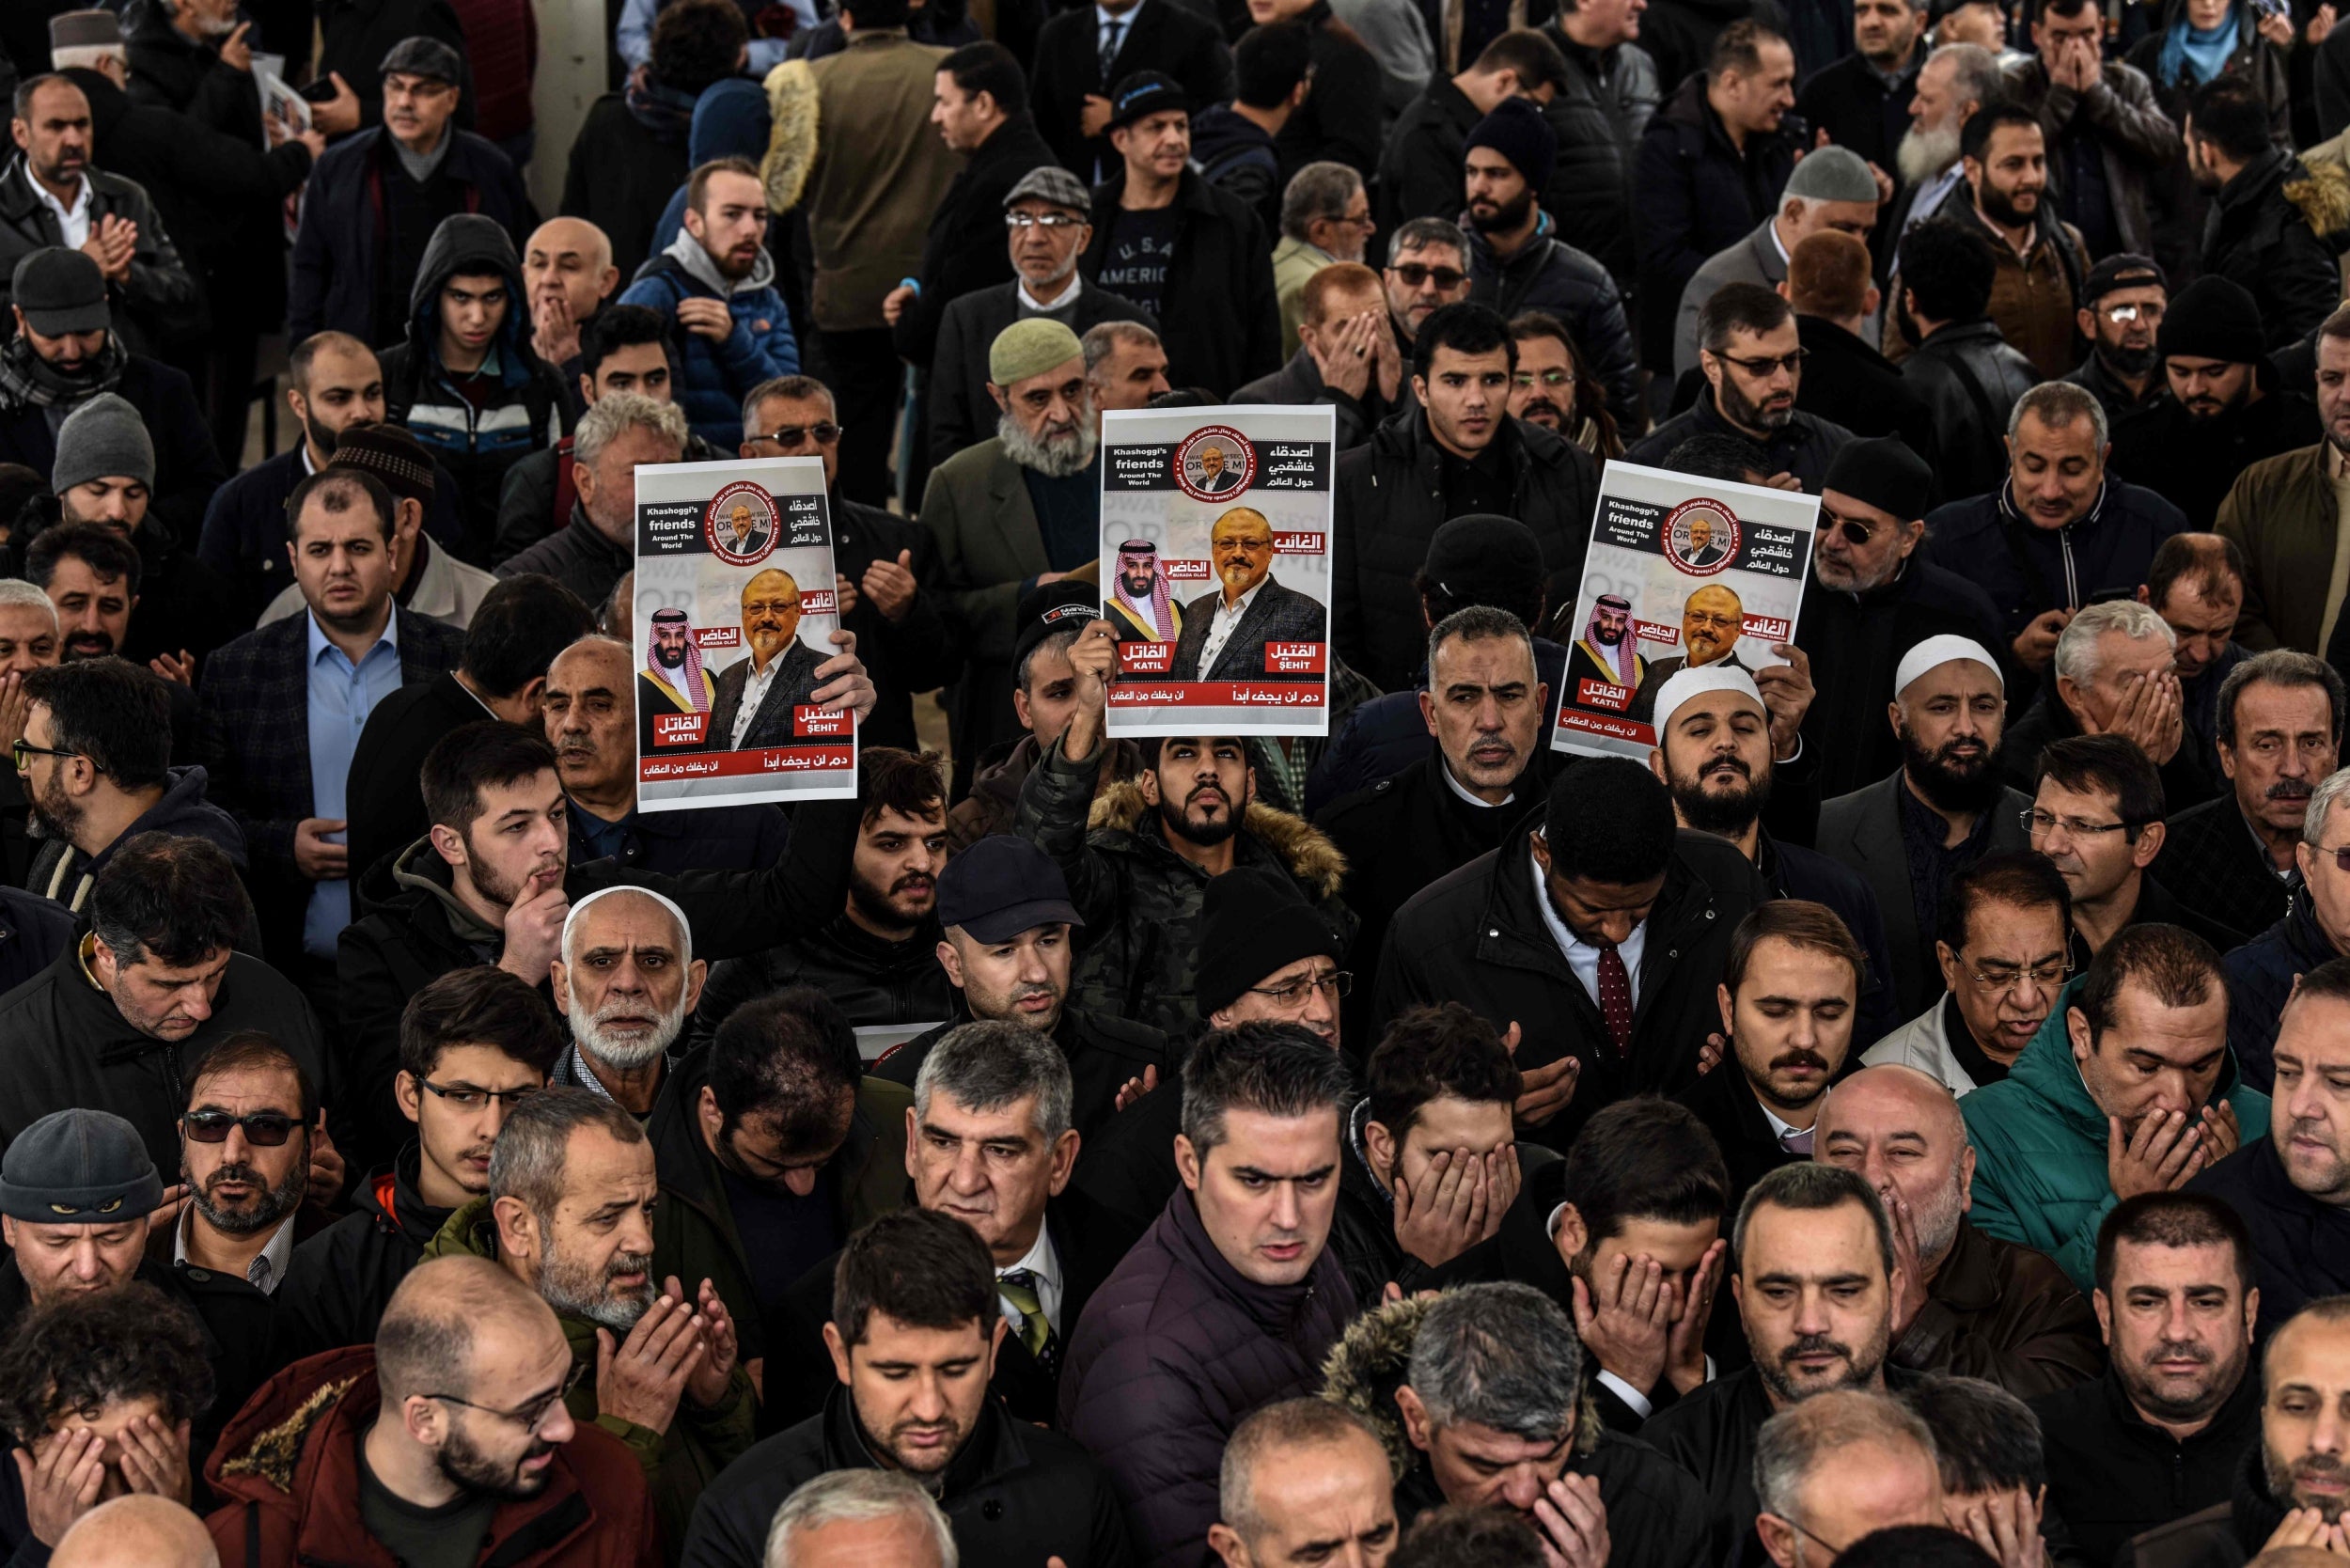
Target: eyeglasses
[(2122, 315), (1544, 378), (1336, 983), (21, 749), (532, 1416), (1041, 220), (262, 1129), (2045, 977), (2340, 857), (1769, 363), (2036, 821), (789, 436), (1366, 223), (466, 1097), (1413, 274)]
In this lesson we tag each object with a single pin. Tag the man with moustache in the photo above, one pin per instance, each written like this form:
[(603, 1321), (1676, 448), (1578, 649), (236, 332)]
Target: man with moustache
[(1970, 1305), (2196, 584), (1752, 357), (2263, 972), (2280, 513), (1142, 606), (758, 697), (2122, 302), (1712, 620), (1941, 811), (625, 980), (1955, 81), (1873, 596), (1225, 633), (2002, 956), (674, 680), (253, 1147), (2168, 1427), (2114, 675)]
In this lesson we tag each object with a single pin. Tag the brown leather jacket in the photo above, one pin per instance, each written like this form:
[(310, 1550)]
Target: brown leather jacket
[(2004, 1313)]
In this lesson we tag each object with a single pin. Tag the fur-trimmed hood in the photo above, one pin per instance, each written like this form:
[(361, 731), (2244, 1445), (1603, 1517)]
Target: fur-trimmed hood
[(262, 1447), (793, 127), (1311, 858), (2321, 192)]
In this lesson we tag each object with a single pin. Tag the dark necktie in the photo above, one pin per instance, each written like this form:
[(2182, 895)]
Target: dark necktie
[(1111, 32), (1615, 997), (1018, 1289), (1796, 1142)]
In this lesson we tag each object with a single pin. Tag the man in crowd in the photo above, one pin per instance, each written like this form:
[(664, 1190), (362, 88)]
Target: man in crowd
[(1296, 1474), (1151, 1384), (1483, 462), (426, 579), (2279, 736), (1962, 368), (2114, 675), (2004, 156), (1324, 220), (2107, 137), (2196, 584), (473, 1045), (1850, 382), (2277, 515), (1125, 364), (378, 196), (1191, 257), (1971, 1304), (916, 1322), (2124, 300), (567, 265), (2163, 1432), (2293, 1191), (1943, 810), (592, 551), (253, 1147), (2263, 973), (1228, 630), (1007, 947), (622, 348), (1420, 173), (2063, 514), (2269, 227), (716, 283), (2097, 816), (625, 979), (1428, 267), (2136, 1049), (1838, 1466), (1341, 309), (1957, 79), (2003, 954), (1863, 100), (1832, 193), (1752, 357), (394, 1455), (1605, 903), (2223, 412)]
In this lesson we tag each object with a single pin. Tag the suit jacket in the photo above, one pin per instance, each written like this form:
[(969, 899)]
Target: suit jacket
[(1864, 830), (977, 506), (772, 725), (1275, 614), (1174, 38), (955, 403), (253, 736), (1725, 1102)]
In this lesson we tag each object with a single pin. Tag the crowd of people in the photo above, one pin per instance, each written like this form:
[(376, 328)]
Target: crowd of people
[(1905, 1121)]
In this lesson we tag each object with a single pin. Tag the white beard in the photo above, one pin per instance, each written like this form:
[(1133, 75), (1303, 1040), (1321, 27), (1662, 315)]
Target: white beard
[(1924, 154)]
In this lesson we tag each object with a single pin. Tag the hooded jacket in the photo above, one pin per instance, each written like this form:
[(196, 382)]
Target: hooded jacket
[(2261, 976), (714, 378), (476, 441), (2039, 1147), (1174, 1349), (1550, 276), (2277, 229), (340, 1281), (1235, 155), (2028, 570), (1140, 952), (289, 1467), (63, 872), (675, 1465)]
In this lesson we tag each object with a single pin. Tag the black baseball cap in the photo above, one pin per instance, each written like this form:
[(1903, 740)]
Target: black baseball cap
[(61, 291), (1001, 886), (1054, 607), (1143, 93), (2124, 271)]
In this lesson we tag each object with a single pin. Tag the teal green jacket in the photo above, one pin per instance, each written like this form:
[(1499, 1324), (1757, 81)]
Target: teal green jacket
[(2040, 1147)]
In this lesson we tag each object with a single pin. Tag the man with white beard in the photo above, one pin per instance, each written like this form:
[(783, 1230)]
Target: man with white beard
[(626, 981), (1968, 1303), (1956, 79)]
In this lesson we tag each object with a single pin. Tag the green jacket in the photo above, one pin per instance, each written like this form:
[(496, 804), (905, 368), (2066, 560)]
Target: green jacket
[(2040, 1147), (2281, 513), (698, 1444)]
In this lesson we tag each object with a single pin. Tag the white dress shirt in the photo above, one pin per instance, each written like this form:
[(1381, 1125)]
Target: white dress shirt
[(74, 220), (1044, 1263), (1222, 625), (268, 1269), (754, 693), (1581, 956)]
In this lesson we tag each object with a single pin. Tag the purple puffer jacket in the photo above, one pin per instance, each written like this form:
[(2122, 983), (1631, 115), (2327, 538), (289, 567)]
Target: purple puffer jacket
[(1174, 1351)]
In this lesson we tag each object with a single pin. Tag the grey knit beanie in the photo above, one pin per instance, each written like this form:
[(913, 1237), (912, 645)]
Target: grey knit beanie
[(103, 439)]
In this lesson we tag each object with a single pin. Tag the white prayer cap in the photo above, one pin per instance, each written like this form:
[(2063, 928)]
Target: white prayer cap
[(1697, 682), (684, 926), (1936, 652)]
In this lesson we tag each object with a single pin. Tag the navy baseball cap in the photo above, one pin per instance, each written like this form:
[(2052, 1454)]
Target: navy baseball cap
[(1001, 886)]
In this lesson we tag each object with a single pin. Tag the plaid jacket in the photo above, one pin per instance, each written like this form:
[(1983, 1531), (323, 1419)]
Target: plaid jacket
[(253, 736), (2211, 859)]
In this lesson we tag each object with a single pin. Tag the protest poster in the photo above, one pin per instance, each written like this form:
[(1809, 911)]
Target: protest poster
[(733, 609), (1218, 510), (1681, 570)]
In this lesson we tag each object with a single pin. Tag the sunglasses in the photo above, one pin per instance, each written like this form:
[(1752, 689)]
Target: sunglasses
[(1853, 529), (1769, 363), (1413, 274), (262, 1129), (789, 436)]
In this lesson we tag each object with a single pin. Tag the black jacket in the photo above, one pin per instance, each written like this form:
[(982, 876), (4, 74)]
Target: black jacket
[(2300, 1246), (1300, 382), (1103, 1051), (171, 71), (244, 537), (579, 557), (1551, 275), (33, 933), (1968, 378), (1390, 489), (1420, 173), (620, 175), (1725, 1102), (1014, 1494), (903, 657), (1797, 871), (2111, 1473), (1847, 383), (2210, 848), (1176, 40), (1698, 194), (1342, 116), (339, 1280), (187, 465), (1804, 447), (156, 303), (2276, 228), (384, 802), (956, 409), (875, 983), (965, 250), (1237, 156), (1478, 936), (2227, 1534), (1851, 103), (2028, 570), (1223, 324), (355, 34), (2262, 974), (2192, 463), (1598, 116)]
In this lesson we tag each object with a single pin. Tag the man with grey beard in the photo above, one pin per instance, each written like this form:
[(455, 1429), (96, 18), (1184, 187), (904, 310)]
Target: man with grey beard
[(626, 981), (1969, 1303), (1011, 514), (1956, 79)]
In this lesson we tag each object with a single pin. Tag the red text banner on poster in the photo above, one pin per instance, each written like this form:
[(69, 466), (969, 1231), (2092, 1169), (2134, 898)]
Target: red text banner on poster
[(680, 728), (1215, 694), (739, 764), (1145, 658), (820, 723)]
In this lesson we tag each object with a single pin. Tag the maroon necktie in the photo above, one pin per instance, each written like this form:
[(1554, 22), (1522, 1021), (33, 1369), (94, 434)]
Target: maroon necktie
[(1615, 997)]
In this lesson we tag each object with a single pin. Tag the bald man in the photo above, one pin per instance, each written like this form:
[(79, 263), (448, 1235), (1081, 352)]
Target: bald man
[(137, 1531), (1225, 633), (1971, 1304), (568, 269), (757, 695)]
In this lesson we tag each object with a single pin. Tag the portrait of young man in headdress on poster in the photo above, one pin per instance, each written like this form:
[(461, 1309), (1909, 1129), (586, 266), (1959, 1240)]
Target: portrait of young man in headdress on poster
[(1606, 651), (673, 680), (1142, 602)]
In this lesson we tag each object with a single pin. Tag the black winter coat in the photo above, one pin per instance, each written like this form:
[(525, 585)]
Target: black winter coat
[(1804, 447), (875, 983), (1847, 383), (620, 177), (1014, 1494), (1599, 117), (1478, 936), (339, 1280), (1968, 378), (244, 537), (1174, 1349), (33, 933), (1175, 39), (1421, 172), (965, 250), (579, 557), (2028, 570), (903, 657), (1222, 322), (1551, 275), (2300, 1246), (1390, 490), (2261, 976), (2111, 1473), (187, 465), (1343, 116), (1299, 382), (2275, 228), (2192, 463), (1103, 1052), (1698, 194)]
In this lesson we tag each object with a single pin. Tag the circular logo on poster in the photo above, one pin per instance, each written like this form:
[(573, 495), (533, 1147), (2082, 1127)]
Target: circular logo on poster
[(742, 524), (1702, 536), (1215, 463)]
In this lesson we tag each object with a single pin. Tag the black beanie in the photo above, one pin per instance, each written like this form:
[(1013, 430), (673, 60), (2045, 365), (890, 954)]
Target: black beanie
[(1518, 132), (1251, 924), (1884, 473), (2212, 318)]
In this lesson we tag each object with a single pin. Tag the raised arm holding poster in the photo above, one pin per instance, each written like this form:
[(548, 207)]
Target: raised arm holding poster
[(733, 606), (1215, 568), (1681, 572)]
